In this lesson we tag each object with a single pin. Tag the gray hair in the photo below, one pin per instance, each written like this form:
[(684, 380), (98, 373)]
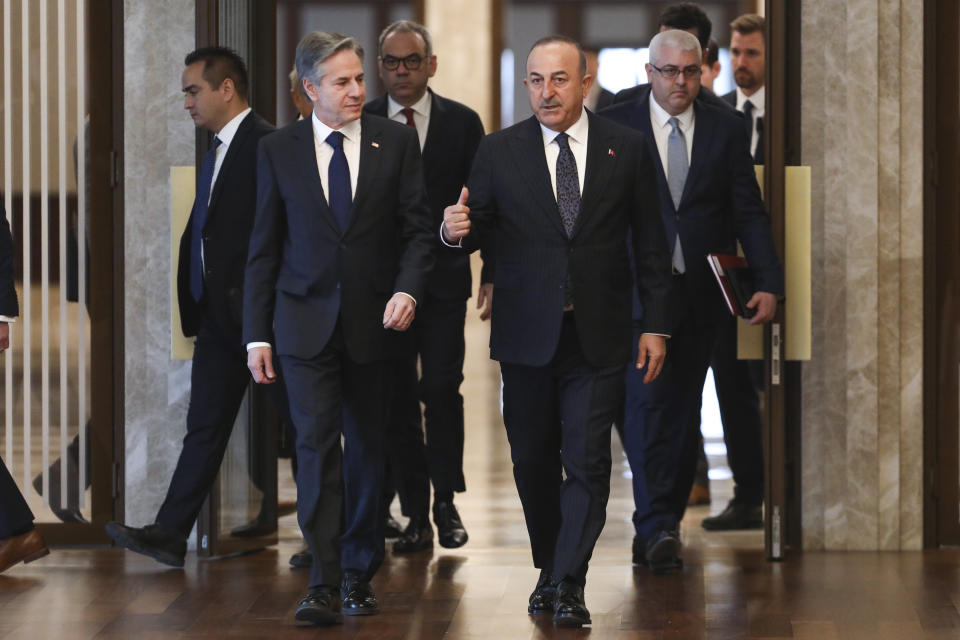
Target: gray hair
[(295, 84), (405, 26), (316, 47), (675, 39)]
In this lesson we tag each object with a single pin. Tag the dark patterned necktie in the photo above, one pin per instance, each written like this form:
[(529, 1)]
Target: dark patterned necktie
[(200, 206), (568, 185), (408, 114), (338, 180)]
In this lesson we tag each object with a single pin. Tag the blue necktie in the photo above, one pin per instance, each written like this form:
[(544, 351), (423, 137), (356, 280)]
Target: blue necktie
[(568, 199), (200, 206), (338, 180), (677, 167)]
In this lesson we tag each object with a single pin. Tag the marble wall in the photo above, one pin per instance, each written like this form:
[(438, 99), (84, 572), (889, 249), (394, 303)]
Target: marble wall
[(862, 111), (157, 134)]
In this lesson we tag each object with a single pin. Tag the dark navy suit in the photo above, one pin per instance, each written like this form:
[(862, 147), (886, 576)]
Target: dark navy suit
[(720, 205), (15, 516), (563, 371), (322, 290)]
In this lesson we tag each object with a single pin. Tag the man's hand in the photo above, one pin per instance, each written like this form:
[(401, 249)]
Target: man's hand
[(485, 300), (456, 219), (260, 363), (399, 312), (766, 306), (651, 351), (4, 336)]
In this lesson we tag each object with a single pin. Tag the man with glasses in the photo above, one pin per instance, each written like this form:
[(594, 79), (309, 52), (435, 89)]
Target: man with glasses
[(709, 200), (449, 134)]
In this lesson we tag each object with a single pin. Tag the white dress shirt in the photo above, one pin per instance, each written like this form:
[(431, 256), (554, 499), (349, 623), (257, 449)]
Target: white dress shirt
[(225, 135), (759, 101), (421, 115), (577, 138), (351, 149), (660, 121)]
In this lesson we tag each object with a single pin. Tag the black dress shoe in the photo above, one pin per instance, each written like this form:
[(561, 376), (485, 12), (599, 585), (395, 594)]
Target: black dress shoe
[(737, 515), (570, 609), (392, 529), (151, 540), (417, 537), (544, 595), (358, 598), (661, 552), (450, 531), (302, 559), (319, 607)]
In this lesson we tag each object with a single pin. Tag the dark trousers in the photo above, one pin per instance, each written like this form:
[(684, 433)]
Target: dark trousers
[(15, 516), (218, 381), (412, 465), (740, 413), (661, 423), (339, 491), (558, 419)]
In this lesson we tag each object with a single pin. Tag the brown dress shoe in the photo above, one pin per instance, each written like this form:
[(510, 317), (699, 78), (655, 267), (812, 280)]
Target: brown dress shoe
[(23, 548), (699, 495)]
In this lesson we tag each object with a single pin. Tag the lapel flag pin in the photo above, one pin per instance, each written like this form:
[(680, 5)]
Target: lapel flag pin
[(375, 145), (611, 153)]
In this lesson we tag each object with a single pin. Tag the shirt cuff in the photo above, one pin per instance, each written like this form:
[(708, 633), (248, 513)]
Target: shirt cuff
[(662, 335), (403, 293), (459, 244), (254, 345), (7, 319)]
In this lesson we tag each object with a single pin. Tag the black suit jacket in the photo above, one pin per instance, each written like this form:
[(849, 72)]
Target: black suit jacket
[(453, 135), (512, 200), (721, 202), (226, 235), (730, 98), (304, 273), (640, 92), (8, 293)]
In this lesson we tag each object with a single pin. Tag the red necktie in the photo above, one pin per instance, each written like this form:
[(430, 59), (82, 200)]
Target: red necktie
[(408, 114)]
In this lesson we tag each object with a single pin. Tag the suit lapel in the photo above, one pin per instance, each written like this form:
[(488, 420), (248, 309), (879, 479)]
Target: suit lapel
[(531, 162), (370, 140), (305, 156), (601, 159), (438, 112), (702, 142), (644, 124), (242, 132)]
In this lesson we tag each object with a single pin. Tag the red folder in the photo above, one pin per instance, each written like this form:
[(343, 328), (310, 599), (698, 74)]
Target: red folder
[(735, 280)]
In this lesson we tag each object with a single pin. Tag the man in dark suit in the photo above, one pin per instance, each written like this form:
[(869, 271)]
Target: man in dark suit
[(213, 252), (710, 200), (20, 541), (449, 134), (561, 322), (686, 16), (735, 382), (339, 253)]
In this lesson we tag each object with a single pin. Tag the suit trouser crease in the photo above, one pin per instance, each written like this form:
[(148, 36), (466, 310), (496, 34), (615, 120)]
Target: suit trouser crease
[(558, 418), (331, 394)]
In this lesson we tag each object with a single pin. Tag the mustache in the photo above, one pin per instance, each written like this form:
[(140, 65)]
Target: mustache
[(548, 103)]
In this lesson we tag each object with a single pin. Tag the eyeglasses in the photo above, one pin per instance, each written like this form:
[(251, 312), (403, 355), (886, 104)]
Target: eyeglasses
[(670, 72), (411, 63)]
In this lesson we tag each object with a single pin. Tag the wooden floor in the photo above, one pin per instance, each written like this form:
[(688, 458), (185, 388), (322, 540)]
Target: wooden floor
[(727, 589)]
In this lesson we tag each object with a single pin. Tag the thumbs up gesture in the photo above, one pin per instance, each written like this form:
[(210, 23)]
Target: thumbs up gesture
[(456, 218)]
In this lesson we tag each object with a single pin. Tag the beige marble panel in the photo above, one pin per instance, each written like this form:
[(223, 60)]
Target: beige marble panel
[(157, 134), (911, 275), (462, 33), (814, 385), (888, 273)]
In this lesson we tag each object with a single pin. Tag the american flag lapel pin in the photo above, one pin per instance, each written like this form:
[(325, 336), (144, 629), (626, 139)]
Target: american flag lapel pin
[(375, 145), (611, 153)]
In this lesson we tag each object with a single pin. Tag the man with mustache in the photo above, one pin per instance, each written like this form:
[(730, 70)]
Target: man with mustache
[(339, 253), (556, 195)]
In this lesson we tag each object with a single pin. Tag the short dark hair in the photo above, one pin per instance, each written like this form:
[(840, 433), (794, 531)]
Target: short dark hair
[(220, 63), (406, 26), (713, 52), (564, 40), (750, 23), (688, 15)]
